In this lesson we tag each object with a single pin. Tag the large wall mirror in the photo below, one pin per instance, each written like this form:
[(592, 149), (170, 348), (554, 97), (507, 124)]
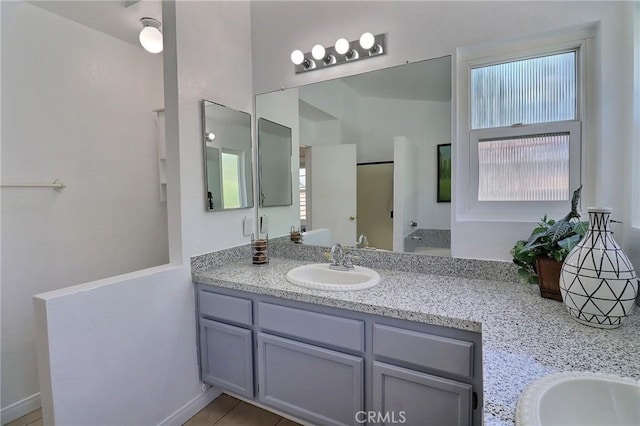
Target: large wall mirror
[(366, 158), (228, 167)]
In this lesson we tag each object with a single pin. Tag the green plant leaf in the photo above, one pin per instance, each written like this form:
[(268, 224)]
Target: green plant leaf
[(534, 240), (581, 228), (560, 230), (575, 199), (570, 242), (533, 279)]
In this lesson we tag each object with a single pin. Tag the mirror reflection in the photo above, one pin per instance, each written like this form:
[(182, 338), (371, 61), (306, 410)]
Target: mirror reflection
[(227, 157), (274, 160), (367, 168)]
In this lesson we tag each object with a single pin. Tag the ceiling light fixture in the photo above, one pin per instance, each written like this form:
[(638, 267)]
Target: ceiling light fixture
[(150, 35), (343, 51)]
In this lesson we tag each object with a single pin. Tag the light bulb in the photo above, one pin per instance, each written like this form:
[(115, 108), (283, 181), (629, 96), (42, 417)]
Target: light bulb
[(151, 39), (297, 57), (367, 40), (318, 52), (342, 46), (211, 136)]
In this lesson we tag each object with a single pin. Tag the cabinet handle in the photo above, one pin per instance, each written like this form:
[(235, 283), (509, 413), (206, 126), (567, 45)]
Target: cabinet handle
[(474, 400)]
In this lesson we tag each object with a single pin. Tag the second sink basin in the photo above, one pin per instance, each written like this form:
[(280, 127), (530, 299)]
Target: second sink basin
[(320, 276), (580, 399)]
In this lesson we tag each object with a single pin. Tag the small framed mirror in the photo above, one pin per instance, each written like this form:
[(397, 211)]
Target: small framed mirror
[(274, 161), (228, 174)]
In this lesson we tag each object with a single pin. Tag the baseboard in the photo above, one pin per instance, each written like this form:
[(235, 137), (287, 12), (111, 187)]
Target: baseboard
[(20, 408), (190, 409)]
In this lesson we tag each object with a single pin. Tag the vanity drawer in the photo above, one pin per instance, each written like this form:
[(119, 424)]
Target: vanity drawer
[(312, 326), (226, 308), (425, 350)]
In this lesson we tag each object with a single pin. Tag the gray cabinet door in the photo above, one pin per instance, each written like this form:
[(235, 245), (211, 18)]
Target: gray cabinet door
[(227, 357), (319, 385), (419, 399)]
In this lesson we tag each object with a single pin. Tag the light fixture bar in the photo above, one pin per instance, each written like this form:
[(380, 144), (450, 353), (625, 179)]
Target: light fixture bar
[(355, 53)]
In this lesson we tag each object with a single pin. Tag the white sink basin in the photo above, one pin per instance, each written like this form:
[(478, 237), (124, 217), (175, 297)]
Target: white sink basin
[(580, 399), (320, 276)]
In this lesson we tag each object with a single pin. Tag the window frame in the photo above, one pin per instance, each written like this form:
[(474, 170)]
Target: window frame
[(468, 208), (635, 149)]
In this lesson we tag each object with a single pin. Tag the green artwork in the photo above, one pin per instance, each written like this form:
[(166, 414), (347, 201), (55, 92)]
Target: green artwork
[(444, 173)]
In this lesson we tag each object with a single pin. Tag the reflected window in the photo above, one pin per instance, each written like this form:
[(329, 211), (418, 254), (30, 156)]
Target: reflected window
[(232, 179)]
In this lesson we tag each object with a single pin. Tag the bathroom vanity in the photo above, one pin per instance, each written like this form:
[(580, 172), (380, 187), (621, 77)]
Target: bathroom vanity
[(325, 365), (453, 349)]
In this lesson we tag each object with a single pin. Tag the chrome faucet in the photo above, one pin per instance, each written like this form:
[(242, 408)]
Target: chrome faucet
[(340, 260), (362, 241), (337, 255)]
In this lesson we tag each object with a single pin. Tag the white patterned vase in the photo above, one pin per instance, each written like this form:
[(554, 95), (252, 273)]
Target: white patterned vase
[(597, 282)]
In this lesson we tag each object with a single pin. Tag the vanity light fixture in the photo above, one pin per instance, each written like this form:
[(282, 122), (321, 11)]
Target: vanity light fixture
[(150, 35), (299, 59), (343, 51)]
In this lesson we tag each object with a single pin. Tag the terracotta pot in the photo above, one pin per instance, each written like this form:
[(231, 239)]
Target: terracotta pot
[(549, 275)]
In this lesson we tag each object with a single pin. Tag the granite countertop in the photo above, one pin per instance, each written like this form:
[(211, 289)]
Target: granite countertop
[(524, 336)]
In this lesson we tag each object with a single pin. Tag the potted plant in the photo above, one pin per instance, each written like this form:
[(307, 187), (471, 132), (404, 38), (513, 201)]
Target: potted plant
[(540, 256)]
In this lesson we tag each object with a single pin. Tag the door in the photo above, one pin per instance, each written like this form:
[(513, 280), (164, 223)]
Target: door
[(333, 191), (419, 399), (226, 355), (320, 385), (375, 204)]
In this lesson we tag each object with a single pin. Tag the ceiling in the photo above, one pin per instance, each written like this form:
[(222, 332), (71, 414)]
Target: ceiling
[(310, 112), (428, 80), (117, 18)]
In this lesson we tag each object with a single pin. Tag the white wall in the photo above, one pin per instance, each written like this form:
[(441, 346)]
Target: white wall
[(632, 218), (77, 105), (426, 124), (339, 100), (147, 319), (405, 189), (421, 30)]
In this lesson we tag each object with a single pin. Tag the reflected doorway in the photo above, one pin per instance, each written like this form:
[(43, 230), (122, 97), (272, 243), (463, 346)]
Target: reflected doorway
[(375, 203)]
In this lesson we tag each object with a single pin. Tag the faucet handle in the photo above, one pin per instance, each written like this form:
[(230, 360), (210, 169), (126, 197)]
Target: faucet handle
[(348, 261)]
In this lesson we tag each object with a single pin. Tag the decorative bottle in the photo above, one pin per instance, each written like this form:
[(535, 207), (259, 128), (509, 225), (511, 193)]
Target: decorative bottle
[(597, 282)]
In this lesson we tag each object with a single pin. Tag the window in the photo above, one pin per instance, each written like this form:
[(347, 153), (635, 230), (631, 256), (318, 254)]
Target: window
[(303, 193), (232, 178), (523, 116), (524, 131), (527, 91)]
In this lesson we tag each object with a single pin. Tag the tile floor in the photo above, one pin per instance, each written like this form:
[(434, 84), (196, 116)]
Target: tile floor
[(229, 411), (223, 411)]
